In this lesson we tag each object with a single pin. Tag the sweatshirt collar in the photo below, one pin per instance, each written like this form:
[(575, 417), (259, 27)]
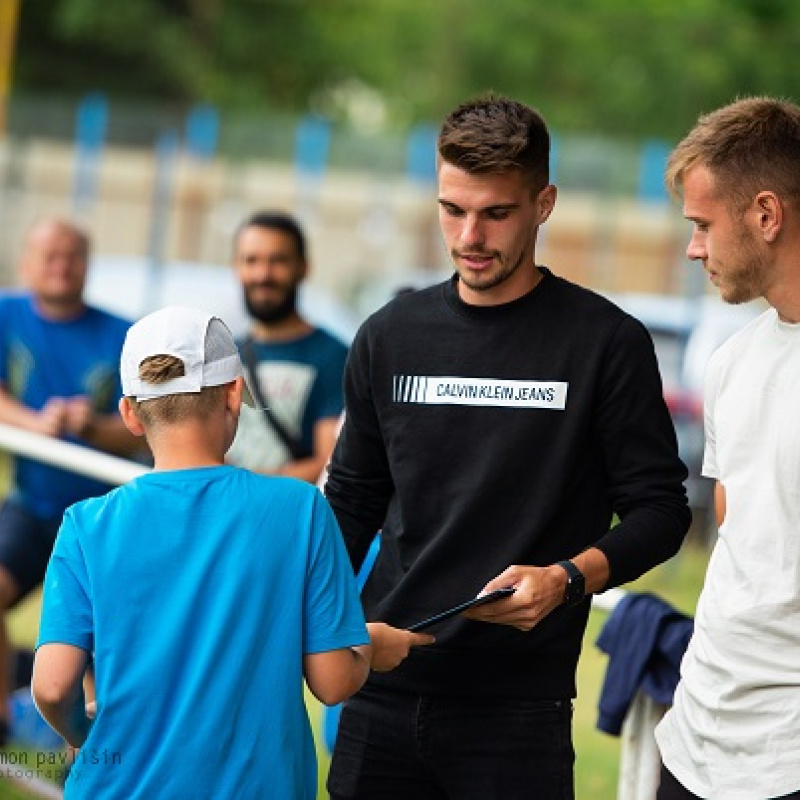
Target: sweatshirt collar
[(503, 310)]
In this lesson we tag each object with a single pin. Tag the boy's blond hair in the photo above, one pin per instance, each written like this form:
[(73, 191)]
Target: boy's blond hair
[(173, 408)]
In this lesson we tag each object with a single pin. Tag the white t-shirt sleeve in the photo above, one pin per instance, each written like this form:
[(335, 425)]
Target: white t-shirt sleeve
[(710, 394)]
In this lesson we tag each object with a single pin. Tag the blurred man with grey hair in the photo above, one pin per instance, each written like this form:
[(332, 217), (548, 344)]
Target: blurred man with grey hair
[(58, 377)]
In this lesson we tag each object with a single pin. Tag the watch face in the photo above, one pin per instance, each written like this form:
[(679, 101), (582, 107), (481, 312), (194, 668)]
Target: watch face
[(575, 590)]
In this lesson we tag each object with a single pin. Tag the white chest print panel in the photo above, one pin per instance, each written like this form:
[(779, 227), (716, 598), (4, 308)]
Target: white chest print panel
[(286, 386), (442, 390)]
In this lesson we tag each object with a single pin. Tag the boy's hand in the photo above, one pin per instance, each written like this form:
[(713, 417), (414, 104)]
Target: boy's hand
[(390, 646)]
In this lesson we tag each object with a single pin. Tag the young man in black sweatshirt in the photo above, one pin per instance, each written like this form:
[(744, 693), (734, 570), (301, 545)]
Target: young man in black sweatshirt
[(494, 425)]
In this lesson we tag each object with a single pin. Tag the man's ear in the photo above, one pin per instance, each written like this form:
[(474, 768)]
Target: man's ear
[(130, 418), (769, 213), (545, 202)]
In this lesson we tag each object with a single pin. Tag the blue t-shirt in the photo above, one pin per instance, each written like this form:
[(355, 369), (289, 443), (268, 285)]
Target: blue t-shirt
[(302, 383), (40, 359), (199, 591)]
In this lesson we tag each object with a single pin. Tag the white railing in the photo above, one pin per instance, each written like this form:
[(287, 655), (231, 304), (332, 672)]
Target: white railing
[(66, 455), (27, 780), (639, 759), (607, 601)]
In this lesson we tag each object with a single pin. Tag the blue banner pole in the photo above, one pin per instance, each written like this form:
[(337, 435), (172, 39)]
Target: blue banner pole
[(90, 135), (167, 151), (311, 152)]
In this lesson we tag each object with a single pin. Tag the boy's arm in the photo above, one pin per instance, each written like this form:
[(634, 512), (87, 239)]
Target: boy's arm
[(57, 688), (334, 675)]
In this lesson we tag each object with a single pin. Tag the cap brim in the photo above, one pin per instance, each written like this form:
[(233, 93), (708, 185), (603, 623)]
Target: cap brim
[(247, 395)]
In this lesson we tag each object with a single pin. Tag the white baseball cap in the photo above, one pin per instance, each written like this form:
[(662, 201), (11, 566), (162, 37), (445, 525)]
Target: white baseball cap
[(202, 341)]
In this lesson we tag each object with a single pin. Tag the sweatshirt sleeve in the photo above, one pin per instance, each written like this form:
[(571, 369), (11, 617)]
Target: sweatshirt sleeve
[(359, 485), (645, 474)]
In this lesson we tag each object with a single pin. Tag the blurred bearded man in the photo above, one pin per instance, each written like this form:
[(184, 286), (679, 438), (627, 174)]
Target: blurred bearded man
[(296, 368)]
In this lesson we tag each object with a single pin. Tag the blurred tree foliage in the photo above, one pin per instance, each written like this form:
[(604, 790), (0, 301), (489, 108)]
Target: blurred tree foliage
[(632, 67)]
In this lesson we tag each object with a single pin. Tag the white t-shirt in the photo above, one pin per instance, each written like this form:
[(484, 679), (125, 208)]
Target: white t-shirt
[(734, 729)]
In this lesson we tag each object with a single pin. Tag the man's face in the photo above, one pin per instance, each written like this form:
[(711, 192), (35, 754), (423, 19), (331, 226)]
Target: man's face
[(732, 254), (270, 270), (489, 224), (54, 266)]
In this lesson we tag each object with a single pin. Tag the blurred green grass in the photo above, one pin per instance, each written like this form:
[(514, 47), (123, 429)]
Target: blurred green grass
[(597, 754)]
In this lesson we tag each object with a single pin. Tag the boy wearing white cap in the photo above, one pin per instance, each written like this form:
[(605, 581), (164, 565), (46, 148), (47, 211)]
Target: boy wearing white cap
[(205, 594)]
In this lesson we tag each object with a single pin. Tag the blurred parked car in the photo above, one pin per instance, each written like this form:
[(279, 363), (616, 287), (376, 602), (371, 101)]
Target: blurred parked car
[(685, 333), (383, 288)]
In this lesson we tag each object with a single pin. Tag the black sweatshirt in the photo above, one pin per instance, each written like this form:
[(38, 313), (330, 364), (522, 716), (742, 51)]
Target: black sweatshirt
[(477, 437)]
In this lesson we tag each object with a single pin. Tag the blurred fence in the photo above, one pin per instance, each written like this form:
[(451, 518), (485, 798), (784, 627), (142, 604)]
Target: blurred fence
[(581, 163), (368, 201)]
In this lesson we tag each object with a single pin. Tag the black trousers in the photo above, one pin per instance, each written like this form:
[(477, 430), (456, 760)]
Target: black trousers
[(397, 746)]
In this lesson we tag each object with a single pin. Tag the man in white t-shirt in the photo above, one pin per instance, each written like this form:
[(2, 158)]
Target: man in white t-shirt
[(734, 729)]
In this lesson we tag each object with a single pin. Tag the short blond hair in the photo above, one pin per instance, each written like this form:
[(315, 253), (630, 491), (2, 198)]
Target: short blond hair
[(173, 408), (748, 146)]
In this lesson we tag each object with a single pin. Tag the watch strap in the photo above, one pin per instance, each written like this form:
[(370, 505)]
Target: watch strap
[(576, 583)]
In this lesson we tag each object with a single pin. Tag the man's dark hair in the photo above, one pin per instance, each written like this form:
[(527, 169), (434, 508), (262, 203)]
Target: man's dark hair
[(275, 220), (492, 134)]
